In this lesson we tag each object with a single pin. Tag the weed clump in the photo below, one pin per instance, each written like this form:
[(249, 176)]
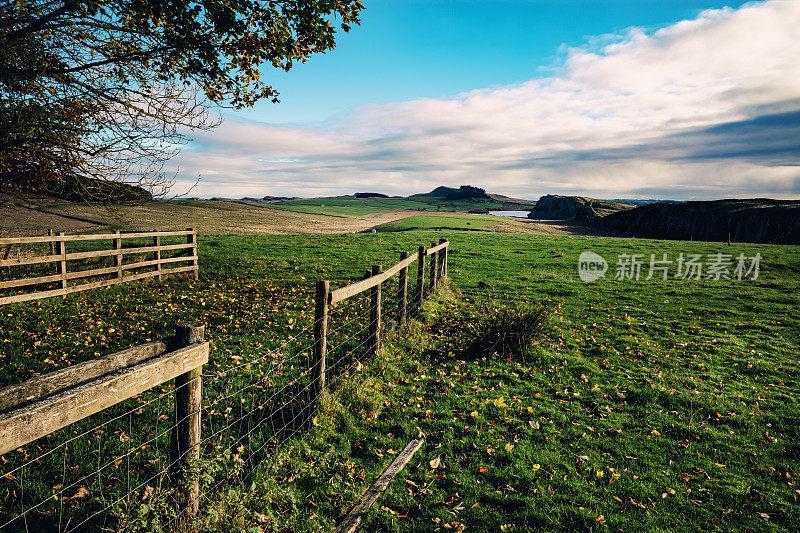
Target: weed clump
[(508, 329)]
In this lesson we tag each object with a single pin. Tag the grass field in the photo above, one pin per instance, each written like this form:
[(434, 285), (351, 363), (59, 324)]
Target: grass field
[(646, 405), (346, 206), (452, 222)]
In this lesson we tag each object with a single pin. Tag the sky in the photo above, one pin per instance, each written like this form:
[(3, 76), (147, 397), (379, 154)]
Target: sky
[(680, 99)]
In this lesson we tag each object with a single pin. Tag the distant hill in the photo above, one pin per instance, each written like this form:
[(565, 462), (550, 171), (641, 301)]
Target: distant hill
[(370, 195), (756, 220), (578, 208), (467, 194), (250, 200)]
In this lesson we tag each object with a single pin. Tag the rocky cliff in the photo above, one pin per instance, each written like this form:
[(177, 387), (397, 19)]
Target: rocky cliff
[(555, 207), (756, 220)]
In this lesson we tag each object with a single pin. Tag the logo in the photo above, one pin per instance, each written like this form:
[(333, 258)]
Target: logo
[(591, 266)]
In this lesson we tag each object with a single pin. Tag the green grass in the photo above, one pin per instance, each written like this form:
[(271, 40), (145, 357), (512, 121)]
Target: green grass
[(350, 207), (651, 405), (444, 222)]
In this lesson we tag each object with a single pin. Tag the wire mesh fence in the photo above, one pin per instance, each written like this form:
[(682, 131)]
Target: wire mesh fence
[(97, 474)]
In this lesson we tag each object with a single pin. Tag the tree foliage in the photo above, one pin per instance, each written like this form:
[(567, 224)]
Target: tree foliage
[(110, 89)]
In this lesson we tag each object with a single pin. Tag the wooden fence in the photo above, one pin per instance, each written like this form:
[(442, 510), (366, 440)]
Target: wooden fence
[(326, 298), (186, 252), (43, 405)]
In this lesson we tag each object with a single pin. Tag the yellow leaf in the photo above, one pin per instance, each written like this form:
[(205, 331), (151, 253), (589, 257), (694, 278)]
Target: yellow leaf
[(509, 447), (536, 467), (656, 433)]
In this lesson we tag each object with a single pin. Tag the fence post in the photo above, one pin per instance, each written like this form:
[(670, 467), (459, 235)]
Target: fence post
[(185, 437), (61, 249), (433, 270), (375, 313), (320, 340), (50, 233), (192, 239), (157, 255), (442, 260), (118, 255), (420, 277), (402, 291)]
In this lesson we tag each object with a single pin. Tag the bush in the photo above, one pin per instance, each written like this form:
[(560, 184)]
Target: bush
[(507, 329)]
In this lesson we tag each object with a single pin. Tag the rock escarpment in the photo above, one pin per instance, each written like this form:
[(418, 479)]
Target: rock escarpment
[(555, 207), (753, 220)]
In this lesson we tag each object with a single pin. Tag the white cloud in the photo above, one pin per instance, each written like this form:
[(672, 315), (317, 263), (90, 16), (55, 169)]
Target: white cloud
[(626, 117)]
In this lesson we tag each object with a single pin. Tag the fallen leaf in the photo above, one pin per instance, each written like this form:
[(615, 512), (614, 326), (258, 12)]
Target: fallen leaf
[(435, 462), (82, 492)]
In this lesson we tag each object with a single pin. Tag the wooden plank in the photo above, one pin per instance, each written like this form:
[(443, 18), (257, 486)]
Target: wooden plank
[(29, 281), (78, 274), (33, 390), (434, 249), (86, 286), (90, 237), (19, 261), (97, 253), (348, 291), (371, 495), (127, 251), (25, 425)]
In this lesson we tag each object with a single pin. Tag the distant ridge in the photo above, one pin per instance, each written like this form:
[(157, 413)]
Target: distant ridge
[(758, 220)]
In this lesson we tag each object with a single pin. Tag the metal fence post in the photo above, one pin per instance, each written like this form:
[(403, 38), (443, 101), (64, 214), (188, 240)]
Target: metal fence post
[(320, 340), (420, 278), (185, 441), (402, 291), (375, 313)]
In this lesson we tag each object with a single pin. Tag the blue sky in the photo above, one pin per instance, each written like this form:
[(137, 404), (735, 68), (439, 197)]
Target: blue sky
[(673, 99), (406, 49)]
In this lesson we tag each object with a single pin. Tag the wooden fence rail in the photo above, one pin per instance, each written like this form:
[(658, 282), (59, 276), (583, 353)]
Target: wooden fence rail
[(186, 253), (43, 405), (325, 299)]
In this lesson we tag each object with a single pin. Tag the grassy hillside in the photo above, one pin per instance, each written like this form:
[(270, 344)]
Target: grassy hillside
[(645, 405), (435, 200)]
